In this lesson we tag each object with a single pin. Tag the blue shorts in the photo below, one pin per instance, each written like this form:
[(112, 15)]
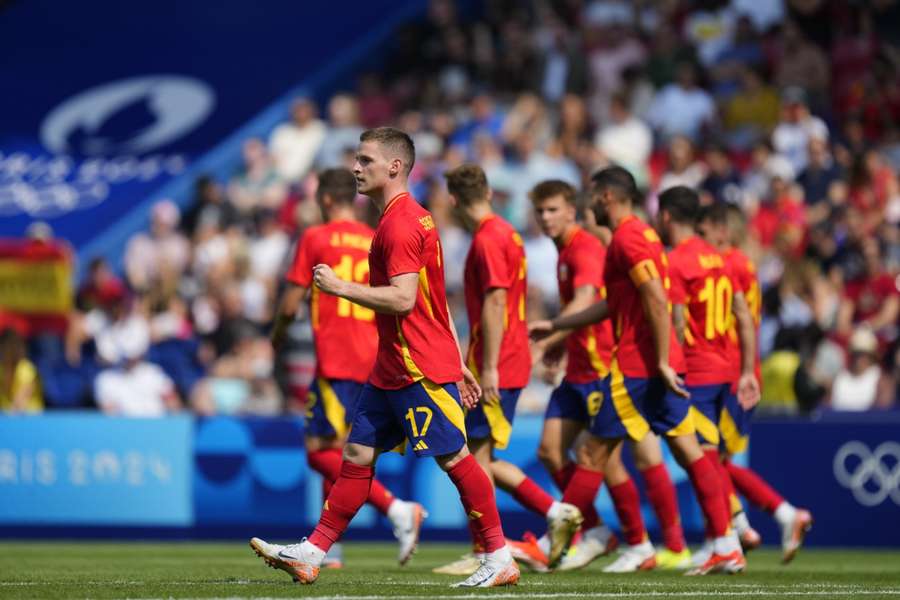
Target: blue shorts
[(734, 425), (494, 420), (427, 414), (575, 401), (633, 406), (707, 403), (330, 407)]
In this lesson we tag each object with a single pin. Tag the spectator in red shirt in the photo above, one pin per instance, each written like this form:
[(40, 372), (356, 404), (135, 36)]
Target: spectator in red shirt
[(871, 300)]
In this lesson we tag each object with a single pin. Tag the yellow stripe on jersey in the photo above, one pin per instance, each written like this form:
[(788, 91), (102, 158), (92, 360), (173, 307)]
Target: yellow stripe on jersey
[(643, 272), (594, 357), (631, 418), (735, 443), (334, 410), (411, 367), (446, 403), (704, 426), (426, 291)]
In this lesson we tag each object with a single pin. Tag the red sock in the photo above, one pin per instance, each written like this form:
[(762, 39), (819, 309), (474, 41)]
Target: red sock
[(734, 505), (627, 501), (326, 488), (705, 480), (477, 539), (724, 480), (347, 495), (477, 496), (661, 493), (533, 497), (328, 463), (581, 491), (562, 479), (754, 487), (563, 476)]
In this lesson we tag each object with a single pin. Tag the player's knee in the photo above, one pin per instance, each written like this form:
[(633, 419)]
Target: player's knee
[(448, 461), (550, 456), (359, 455), (593, 454)]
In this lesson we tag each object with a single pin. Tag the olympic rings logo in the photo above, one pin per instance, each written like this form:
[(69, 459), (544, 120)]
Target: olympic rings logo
[(871, 476)]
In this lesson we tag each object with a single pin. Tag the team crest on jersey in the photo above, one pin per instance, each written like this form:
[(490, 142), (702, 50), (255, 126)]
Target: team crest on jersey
[(427, 222)]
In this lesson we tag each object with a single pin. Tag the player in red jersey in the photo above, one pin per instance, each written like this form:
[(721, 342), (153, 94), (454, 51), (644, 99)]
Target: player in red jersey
[(645, 388), (418, 386), (495, 291), (574, 403), (725, 227), (706, 306), (345, 339)]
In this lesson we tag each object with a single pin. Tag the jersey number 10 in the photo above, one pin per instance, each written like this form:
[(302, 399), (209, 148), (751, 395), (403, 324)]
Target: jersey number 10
[(717, 296)]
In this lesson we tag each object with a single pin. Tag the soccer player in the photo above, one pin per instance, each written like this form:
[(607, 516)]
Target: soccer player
[(575, 402), (705, 304), (419, 384), (498, 354), (346, 340), (645, 389), (726, 227)]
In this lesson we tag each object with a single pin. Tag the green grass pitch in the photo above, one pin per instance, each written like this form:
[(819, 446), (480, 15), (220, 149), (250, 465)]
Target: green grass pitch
[(231, 570)]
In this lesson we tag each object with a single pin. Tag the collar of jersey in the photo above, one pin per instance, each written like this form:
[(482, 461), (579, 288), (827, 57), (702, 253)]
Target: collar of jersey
[(571, 236), (485, 220), (390, 204)]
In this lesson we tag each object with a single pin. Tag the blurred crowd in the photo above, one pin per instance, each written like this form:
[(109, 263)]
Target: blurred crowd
[(789, 109)]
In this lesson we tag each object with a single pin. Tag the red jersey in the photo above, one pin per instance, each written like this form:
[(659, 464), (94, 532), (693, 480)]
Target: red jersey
[(868, 294), (421, 344), (701, 283), (743, 274), (635, 256), (580, 263), (496, 259), (343, 332)]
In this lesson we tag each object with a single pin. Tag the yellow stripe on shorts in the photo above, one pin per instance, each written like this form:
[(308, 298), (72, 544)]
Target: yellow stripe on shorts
[(704, 426), (446, 403), (631, 418), (735, 443), (501, 428), (334, 410)]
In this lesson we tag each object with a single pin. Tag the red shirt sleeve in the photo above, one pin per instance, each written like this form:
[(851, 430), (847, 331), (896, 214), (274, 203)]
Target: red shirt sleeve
[(678, 278), (300, 271), (404, 247), (493, 268), (739, 283), (587, 267), (640, 254)]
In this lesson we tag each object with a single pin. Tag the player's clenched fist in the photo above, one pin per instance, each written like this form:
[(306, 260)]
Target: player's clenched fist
[(328, 282)]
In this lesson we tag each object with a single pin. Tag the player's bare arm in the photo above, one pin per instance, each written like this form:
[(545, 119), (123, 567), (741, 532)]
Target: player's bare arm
[(679, 321), (492, 318), (655, 305), (748, 387), (398, 298), (291, 300), (595, 313), (548, 334)]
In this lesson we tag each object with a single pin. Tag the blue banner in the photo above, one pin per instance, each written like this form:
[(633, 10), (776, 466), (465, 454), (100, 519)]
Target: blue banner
[(115, 105), (91, 469), (845, 468)]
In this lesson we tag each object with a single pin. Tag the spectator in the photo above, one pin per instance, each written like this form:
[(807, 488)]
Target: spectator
[(100, 288), (872, 300), (20, 386), (820, 173), (160, 258), (682, 108), (722, 182), (343, 131), (684, 168), (562, 69), (626, 141), (856, 385), (295, 144), (802, 64), (752, 113), (209, 207), (134, 387), (797, 126), (258, 184)]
